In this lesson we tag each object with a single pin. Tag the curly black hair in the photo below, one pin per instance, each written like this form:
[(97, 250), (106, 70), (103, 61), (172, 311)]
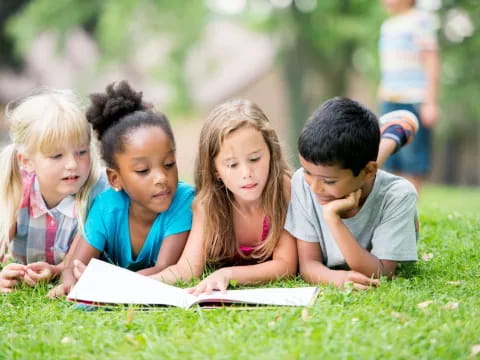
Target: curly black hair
[(116, 112)]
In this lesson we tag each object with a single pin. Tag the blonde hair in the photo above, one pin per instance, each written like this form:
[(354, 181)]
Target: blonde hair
[(220, 244), (39, 123)]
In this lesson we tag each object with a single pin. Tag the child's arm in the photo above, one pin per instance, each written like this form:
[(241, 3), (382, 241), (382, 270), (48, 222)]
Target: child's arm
[(357, 258), (429, 108), (192, 262), (283, 264), (83, 253), (313, 270), (170, 251)]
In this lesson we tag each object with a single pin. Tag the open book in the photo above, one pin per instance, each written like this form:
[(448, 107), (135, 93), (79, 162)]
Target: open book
[(102, 283)]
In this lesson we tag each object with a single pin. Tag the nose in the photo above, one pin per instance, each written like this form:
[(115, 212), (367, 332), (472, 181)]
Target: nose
[(160, 177), (71, 162), (247, 171)]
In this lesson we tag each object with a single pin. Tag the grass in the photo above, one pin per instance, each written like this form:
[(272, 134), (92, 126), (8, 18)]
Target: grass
[(385, 323)]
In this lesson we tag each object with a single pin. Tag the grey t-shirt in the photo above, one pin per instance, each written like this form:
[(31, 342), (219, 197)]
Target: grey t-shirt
[(385, 225)]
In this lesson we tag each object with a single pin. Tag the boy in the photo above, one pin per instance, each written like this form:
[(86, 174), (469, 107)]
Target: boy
[(410, 73), (353, 222)]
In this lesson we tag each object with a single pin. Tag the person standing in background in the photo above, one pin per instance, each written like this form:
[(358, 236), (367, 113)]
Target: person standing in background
[(410, 70)]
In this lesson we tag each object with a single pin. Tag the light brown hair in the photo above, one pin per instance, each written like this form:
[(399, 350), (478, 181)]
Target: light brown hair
[(220, 243)]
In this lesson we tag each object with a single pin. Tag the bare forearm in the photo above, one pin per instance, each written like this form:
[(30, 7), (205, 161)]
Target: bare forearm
[(261, 273), (177, 272), (316, 273), (57, 269), (356, 257), (432, 70)]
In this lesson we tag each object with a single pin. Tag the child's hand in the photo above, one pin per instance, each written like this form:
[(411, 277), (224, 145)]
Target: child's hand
[(69, 279), (57, 291), (360, 282), (340, 206), (38, 272), (218, 280), (10, 275)]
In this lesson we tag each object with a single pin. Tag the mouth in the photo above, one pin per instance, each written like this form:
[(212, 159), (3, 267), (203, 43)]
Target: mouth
[(162, 194), (324, 200), (71, 178), (249, 186)]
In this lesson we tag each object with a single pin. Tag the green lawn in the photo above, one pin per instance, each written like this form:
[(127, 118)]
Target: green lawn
[(383, 323)]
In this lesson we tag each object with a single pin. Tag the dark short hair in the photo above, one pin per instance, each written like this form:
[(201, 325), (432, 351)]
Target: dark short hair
[(340, 132)]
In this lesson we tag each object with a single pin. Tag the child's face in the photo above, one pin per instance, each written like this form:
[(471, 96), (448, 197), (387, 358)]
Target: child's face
[(243, 163), (397, 6), (331, 182), (147, 170), (60, 172)]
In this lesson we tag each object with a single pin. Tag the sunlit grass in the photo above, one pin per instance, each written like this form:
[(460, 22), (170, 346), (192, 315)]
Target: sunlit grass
[(384, 323)]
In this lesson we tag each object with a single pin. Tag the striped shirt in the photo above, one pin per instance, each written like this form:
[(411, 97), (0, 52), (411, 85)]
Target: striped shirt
[(44, 234), (403, 38)]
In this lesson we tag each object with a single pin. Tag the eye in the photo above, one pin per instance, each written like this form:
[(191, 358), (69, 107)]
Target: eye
[(55, 156), (255, 159), (170, 165), (82, 152), (329, 182), (142, 171), (232, 165)]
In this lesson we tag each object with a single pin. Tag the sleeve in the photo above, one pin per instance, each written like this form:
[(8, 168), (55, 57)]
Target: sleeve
[(298, 222), (180, 212), (426, 36), (395, 238), (95, 231)]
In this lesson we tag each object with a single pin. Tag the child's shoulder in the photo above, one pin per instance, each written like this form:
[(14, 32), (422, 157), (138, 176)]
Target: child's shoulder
[(393, 186), (185, 190), (110, 199)]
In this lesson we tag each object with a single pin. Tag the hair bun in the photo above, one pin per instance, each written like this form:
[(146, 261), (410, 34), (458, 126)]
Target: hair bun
[(109, 108)]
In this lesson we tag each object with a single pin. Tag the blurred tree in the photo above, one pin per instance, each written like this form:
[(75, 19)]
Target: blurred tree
[(117, 26), (9, 8), (320, 42)]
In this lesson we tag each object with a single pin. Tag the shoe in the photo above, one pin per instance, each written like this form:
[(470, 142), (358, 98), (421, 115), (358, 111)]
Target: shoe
[(400, 126)]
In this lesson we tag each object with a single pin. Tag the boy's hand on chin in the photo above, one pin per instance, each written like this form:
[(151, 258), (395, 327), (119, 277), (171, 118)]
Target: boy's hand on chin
[(341, 207)]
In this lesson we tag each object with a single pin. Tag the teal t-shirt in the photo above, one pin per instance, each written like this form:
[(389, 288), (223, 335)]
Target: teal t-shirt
[(107, 228)]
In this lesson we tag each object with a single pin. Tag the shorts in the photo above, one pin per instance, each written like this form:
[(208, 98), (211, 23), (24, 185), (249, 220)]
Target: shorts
[(414, 158)]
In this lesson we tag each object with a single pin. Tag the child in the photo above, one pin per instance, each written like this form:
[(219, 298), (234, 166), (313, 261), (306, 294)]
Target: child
[(410, 76), (50, 172), (353, 222), (143, 221), (243, 189)]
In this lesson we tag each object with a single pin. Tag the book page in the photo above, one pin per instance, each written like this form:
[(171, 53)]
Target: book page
[(105, 283), (300, 296)]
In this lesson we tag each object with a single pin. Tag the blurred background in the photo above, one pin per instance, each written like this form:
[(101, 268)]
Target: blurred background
[(288, 56)]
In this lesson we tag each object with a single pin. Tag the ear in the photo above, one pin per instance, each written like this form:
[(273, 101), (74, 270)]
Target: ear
[(370, 170), (114, 179), (25, 162)]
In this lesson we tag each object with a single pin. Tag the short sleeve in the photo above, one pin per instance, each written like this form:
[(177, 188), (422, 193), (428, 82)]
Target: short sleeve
[(180, 212), (395, 238), (298, 221), (426, 36), (95, 231)]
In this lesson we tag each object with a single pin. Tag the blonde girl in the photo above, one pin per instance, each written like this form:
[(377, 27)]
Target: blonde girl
[(50, 172), (243, 191)]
